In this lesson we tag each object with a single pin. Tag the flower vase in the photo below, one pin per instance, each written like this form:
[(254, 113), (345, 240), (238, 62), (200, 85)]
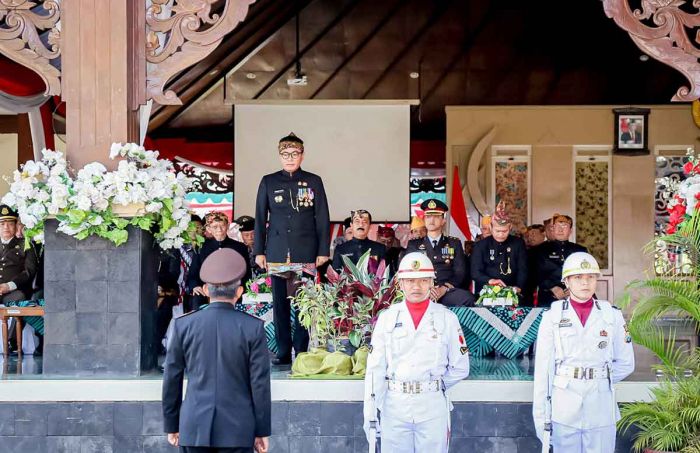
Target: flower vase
[(252, 299), (129, 210)]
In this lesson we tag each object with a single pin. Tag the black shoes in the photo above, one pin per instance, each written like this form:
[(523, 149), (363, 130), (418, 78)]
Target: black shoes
[(282, 361)]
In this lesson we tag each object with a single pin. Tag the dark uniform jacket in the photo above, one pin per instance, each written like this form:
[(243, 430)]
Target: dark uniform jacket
[(18, 265), (546, 262), (505, 261), (354, 249), (296, 208), (210, 246), (224, 353), (448, 259)]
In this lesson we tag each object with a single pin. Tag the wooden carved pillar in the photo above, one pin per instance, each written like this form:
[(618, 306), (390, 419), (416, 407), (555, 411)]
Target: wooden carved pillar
[(104, 75)]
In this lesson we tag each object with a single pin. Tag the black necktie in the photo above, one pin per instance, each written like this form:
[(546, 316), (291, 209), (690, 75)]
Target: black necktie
[(434, 243)]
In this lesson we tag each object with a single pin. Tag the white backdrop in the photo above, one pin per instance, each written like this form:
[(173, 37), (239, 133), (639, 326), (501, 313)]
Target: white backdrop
[(361, 150)]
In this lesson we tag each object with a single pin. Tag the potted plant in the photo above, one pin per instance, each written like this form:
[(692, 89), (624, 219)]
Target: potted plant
[(670, 422), (340, 314)]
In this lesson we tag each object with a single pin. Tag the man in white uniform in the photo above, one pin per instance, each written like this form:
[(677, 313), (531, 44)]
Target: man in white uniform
[(418, 351), (583, 349)]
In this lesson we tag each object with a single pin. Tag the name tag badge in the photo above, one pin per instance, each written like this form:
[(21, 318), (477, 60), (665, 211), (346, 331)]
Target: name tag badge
[(602, 345), (398, 324), (566, 322)]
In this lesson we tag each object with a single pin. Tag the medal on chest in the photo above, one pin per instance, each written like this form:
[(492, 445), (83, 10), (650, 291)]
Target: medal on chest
[(305, 195), (492, 252)]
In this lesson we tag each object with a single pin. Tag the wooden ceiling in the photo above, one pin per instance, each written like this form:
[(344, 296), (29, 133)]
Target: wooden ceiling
[(480, 52)]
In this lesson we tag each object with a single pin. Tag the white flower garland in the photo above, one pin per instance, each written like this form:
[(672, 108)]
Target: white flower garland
[(83, 205)]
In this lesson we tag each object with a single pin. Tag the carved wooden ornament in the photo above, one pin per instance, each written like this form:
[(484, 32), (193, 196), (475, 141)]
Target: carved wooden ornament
[(20, 28), (191, 33), (662, 30)]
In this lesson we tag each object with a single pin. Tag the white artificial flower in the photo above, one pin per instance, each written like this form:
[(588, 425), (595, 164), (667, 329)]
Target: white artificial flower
[(9, 199), (115, 150)]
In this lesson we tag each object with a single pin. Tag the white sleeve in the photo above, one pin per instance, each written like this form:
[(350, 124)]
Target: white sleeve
[(375, 374), (623, 353), (544, 365), (457, 352)]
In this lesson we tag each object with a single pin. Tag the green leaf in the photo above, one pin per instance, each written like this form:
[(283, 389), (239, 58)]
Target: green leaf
[(145, 223), (82, 235), (76, 216), (168, 203), (355, 338), (118, 237), (120, 223)]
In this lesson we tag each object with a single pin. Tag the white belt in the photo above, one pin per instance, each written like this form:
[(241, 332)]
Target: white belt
[(579, 372), (414, 387)]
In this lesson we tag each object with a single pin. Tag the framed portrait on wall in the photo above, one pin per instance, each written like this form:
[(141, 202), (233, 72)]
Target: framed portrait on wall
[(631, 131)]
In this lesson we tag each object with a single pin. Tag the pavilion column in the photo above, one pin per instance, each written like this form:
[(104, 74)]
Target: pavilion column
[(100, 299), (103, 75)]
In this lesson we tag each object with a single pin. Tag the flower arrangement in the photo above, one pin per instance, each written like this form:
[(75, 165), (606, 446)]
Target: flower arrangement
[(489, 293), (84, 205), (683, 196), (261, 285)]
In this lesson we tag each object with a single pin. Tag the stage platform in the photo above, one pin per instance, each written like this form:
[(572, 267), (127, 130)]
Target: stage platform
[(41, 413)]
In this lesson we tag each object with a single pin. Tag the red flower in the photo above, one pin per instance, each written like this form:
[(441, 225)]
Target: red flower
[(688, 168)]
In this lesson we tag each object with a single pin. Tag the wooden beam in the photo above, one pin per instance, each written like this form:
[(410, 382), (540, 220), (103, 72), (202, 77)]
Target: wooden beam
[(441, 8), (25, 147), (8, 124), (467, 43), (381, 24), (344, 12), (264, 20)]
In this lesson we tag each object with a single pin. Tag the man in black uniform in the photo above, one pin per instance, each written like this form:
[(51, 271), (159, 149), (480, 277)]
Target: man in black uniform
[(223, 351), (217, 226), (246, 226), (547, 259), (359, 244), (500, 259), (446, 254), (293, 202), (18, 266)]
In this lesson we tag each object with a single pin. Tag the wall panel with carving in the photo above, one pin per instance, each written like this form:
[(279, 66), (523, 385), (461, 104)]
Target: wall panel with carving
[(512, 186), (592, 209)]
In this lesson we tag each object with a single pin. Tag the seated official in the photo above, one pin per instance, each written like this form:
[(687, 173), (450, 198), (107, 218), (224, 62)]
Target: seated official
[(547, 259), (359, 244), (217, 227), (246, 225), (387, 237), (446, 254), (418, 229), (18, 266), (500, 259)]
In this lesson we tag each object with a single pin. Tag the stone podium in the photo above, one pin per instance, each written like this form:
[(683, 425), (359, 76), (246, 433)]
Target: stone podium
[(100, 304)]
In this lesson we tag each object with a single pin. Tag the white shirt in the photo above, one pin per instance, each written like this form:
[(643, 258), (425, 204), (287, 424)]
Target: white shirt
[(603, 341), (435, 350)]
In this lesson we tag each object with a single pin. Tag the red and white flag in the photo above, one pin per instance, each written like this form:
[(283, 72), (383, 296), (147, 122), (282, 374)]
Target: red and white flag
[(459, 220)]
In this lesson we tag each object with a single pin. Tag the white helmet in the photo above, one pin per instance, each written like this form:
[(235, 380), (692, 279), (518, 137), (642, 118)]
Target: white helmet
[(415, 265), (579, 263)]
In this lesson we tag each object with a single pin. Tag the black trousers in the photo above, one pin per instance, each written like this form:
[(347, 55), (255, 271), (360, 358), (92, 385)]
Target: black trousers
[(216, 449), (282, 312), (457, 297)]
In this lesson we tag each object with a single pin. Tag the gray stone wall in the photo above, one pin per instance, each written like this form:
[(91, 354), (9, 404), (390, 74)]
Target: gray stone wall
[(100, 302), (298, 427)]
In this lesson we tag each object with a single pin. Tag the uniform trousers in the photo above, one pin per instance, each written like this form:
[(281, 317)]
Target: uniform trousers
[(457, 297), (216, 449), (566, 439), (282, 288), (400, 436)]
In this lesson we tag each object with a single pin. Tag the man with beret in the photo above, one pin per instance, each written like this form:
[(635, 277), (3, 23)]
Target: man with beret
[(223, 352), (293, 204), (246, 226), (446, 254), (547, 259), (18, 266), (359, 244), (500, 259), (216, 223)]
